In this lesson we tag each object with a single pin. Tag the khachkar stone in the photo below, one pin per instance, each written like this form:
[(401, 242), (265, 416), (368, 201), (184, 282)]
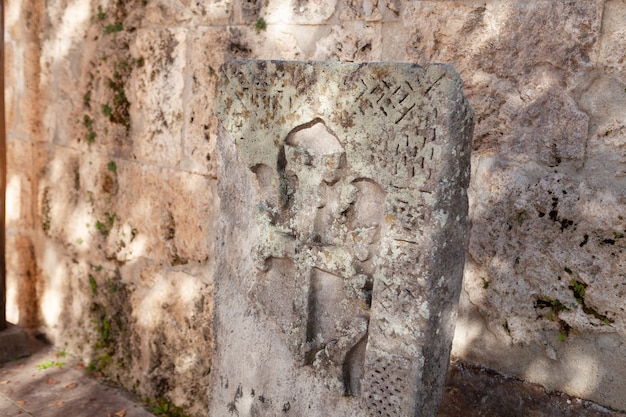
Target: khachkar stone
[(342, 237)]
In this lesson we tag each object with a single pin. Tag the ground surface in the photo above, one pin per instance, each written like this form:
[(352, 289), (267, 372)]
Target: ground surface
[(473, 391), (37, 386), (27, 389)]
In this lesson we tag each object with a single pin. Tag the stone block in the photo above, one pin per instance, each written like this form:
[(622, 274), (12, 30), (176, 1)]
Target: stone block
[(603, 98), (24, 104), (164, 13), (307, 12), (211, 12), (285, 41), (351, 42), (158, 87), (341, 240), (173, 221), (368, 10), (173, 315), (59, 192), (209, 47), (612, 55), (11, 88), (394, 40)]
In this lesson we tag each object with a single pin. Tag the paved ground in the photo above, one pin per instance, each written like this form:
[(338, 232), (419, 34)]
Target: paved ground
[(473, 391), (26, 389)]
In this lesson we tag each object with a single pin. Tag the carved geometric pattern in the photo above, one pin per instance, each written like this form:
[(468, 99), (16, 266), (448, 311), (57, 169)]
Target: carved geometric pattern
[(387, 382), (386, 99)]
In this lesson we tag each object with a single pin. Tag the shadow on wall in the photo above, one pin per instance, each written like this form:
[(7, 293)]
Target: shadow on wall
[(545, 266), (543, 281), (544, 275)]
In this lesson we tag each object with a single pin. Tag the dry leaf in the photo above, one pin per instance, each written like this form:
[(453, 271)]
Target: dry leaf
[(20, 403), (59, 403), (71, 385), (4, 382), (52, 381), (120, 413)]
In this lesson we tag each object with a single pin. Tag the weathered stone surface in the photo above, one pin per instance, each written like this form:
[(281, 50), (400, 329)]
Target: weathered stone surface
[(306, 12), (603, 97), (166, 227), (175, 363), (538, 98), (553, 304), (511, 69), (341, 236), (350, 42), (612, 55), (200, 126), (554, 287), (100, 195), (23, 26), (164, 13), (368, 10), (158, 120)]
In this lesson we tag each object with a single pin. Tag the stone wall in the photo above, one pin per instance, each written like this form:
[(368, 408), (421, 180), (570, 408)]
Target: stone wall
[(111, 198)]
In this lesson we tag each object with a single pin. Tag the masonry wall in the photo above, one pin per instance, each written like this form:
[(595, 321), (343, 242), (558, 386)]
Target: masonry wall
[(111, 201)]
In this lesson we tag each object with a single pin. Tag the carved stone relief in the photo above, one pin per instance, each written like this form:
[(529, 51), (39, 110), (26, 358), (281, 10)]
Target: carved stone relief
[(322, 226), (342, 237)]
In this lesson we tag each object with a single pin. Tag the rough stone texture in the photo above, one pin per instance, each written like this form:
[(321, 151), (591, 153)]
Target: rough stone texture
[(543, 103), (513, 70), (158, 120), (545, 268), (109, 209), (14, 344), (341, 237)]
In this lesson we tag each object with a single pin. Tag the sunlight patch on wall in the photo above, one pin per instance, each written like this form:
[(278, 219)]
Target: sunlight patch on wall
[(74, 23), (11, 308), (52, 300), (580, 373), (13, 202), (12, 12)]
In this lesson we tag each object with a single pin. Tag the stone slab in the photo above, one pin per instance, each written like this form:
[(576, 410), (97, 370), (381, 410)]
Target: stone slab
[(342, 233), (14, 343)]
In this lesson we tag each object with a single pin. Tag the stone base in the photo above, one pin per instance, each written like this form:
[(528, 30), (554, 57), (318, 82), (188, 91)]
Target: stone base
[(13, 343)]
